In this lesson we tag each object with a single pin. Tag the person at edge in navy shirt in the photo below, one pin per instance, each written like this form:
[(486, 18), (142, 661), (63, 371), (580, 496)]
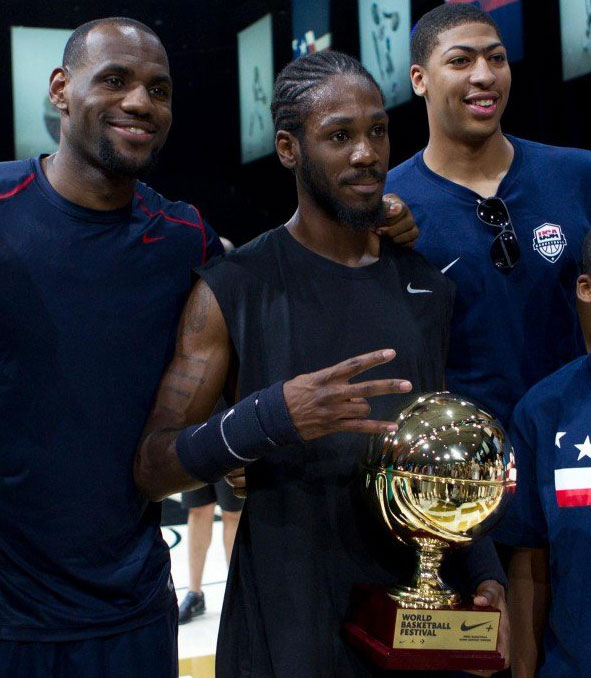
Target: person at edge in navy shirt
[(321, 288), (549, 519), (94, 270), (514, 256)]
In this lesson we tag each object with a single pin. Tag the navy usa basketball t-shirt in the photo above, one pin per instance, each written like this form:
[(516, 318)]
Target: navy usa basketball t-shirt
[(89, 308), (509, 330)]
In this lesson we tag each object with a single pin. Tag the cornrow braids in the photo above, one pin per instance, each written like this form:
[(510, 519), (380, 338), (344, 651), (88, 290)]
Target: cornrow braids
[(425, 35), (292, 96), (75, 49)]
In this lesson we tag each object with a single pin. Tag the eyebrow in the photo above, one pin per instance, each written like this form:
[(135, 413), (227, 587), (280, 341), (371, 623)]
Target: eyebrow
[(118, 69), (473, 50), (347, 120)]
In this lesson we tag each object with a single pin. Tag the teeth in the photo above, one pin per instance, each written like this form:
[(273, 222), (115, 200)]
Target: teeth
[(483, 102), (136, 130)]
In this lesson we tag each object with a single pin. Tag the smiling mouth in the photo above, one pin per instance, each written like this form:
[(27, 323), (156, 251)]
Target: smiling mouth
[(134, 132), (485, 104)]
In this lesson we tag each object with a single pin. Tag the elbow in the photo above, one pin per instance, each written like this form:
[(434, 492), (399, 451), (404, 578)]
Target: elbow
[(145, 477)]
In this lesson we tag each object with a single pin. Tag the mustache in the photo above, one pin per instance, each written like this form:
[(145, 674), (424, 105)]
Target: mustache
[(363, 175)]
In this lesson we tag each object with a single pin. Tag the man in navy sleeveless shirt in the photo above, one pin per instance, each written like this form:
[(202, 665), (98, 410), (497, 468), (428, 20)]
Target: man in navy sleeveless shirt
[(319, 289), (94, 271), (514, 256)]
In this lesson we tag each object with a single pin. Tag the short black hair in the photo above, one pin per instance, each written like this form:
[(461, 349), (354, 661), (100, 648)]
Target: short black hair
[(292, 100), (586, 265), (425, 35), (75, 49)]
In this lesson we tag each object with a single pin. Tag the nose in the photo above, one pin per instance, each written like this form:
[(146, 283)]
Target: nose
[(363, 153), (137, 101), (482, 74)]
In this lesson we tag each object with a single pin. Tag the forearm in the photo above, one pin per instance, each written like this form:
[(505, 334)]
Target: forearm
[(181, 459), (529, 596)]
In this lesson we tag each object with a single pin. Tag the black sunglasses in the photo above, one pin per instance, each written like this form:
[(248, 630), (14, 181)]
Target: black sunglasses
[(504, 250)]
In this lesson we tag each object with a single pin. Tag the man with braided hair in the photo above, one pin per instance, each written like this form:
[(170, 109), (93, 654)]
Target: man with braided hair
[(314, 291)]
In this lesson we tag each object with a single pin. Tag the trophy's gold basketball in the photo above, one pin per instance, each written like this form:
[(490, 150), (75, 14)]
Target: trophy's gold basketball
[(440, 481)]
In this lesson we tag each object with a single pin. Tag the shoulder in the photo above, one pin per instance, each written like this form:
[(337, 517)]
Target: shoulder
[(15, 176), (154, 205), (575, 158), (405, 171), (549, 395), (251, 256)]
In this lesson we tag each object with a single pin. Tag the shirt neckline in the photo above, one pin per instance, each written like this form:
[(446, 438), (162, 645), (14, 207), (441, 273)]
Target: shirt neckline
[(467, 193), (332, 267), (77, 211)]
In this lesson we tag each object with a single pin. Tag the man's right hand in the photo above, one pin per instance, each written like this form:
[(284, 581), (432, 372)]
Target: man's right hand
[(325, 402)]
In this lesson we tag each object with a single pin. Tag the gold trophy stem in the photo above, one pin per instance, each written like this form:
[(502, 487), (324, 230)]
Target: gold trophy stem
[(427, 590)]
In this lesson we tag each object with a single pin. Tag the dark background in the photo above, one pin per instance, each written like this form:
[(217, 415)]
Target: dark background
[(201, 160)]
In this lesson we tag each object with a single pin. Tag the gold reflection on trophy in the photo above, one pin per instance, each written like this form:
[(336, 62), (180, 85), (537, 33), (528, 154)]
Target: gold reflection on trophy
[(441, 480)]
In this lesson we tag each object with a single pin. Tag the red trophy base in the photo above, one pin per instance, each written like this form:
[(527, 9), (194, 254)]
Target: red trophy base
[(374, 631)]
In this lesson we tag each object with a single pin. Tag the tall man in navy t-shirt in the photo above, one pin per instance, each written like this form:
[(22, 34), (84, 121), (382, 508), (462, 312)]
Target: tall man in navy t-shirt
[(94, 270), (513, 256)]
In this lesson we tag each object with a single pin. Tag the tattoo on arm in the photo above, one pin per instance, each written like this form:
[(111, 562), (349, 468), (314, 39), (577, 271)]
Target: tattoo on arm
[(198, 379), (196, 318)]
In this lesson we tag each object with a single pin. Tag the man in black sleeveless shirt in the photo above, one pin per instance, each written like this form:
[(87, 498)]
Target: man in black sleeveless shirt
[(317, 290)]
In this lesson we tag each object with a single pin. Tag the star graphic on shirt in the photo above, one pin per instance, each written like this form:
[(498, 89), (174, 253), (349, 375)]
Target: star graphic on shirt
[(559, 435), (585, 449)]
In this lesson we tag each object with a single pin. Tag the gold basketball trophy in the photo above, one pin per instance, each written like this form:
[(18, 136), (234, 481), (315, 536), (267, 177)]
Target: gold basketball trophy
[(440, 481)]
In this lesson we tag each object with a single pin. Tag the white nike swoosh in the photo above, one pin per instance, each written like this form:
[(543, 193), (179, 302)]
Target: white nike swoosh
[(417, 291), (443, 270)]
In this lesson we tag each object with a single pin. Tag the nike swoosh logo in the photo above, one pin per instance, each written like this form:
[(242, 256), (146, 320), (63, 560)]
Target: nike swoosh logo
[(444, 270), (146, 239), (465, 627), (412, 290)]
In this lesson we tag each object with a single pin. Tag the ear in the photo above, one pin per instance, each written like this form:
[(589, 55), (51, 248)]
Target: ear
[(57, 85), (417, 79), (287, 147), (584, 288), (584, 307)]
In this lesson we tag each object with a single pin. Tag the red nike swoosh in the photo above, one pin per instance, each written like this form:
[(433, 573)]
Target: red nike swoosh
[(147, 240)]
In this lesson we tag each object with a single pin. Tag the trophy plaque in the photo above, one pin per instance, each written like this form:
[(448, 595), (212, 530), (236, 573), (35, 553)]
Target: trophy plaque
[(440, 481)]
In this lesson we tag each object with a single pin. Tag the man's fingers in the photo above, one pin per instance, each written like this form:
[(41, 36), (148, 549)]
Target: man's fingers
[(352, 366), (367, 426), (368, 389)]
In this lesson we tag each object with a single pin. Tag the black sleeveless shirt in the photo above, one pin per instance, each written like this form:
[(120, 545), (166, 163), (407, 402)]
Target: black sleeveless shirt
[(303, 540)]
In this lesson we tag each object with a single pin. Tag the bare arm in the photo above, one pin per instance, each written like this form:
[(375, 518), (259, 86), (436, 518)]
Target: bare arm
[(529, 595), (188, 392)]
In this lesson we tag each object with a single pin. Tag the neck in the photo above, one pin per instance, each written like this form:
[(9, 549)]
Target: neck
[(474, 165), (316, 231), (86, 185)]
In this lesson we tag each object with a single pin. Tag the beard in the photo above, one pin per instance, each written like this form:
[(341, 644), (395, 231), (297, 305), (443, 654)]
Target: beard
[(116, 163), (358, 219)]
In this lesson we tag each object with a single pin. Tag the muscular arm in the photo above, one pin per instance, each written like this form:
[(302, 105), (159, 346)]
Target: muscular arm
[(529, 595), (188, 392), (306, 407)]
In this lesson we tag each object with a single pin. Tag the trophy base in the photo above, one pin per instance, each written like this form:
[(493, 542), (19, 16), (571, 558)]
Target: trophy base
[(396, 637)]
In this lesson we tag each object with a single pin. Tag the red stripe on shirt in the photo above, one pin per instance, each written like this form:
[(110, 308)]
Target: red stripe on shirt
[(19, 188), (573, 498), (203, 236)]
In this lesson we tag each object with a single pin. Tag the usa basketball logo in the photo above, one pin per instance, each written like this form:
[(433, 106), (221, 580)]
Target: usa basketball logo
[(549, 241)]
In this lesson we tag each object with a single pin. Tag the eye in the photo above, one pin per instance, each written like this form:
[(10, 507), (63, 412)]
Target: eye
[(339, 136), (499, 58), (160, 92), (379, 131), (459, 61), (113, 81)]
